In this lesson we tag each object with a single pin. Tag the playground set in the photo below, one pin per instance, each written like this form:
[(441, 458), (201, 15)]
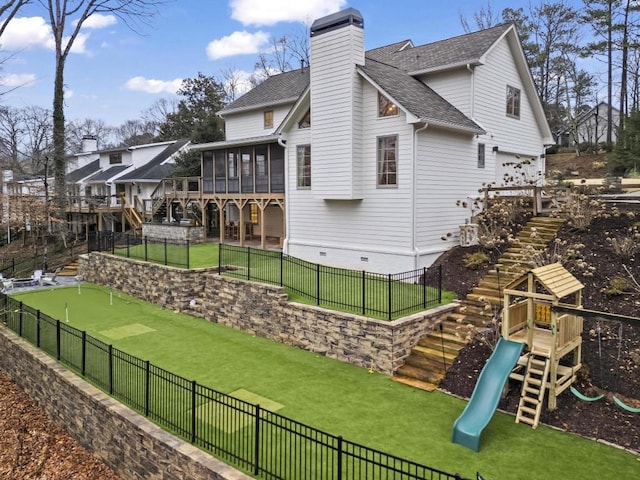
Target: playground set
[(539, 346)]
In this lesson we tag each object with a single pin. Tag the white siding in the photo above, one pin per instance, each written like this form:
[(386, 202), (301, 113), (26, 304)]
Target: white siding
[(455, 86), (446, 172), (515, 135), (251, 124), (377, 228), (335, 94)]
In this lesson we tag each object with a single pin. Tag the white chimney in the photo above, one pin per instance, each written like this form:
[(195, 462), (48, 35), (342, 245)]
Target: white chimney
[(337, 47), (89, 144)]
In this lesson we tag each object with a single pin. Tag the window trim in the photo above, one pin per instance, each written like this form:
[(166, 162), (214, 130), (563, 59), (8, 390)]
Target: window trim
[(380, 162), (305, 121), (395, 111), (301, 165), (482, 149), (514, 101), (115, 158), (267, 118)]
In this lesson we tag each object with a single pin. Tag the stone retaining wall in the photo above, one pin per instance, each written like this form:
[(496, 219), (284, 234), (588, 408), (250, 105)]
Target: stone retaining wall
[(265, 310), (173, 232), (131, 445)]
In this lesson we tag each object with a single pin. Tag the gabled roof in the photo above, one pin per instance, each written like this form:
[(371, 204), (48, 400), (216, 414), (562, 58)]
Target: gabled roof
[(554, 278), (83, 172), (105, 175), (417, 98), (276, 90), (235, 143), (155, 169), (460, 50)]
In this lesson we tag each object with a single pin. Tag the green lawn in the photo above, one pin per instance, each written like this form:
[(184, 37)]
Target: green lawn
[(330, 395), (338, 289)]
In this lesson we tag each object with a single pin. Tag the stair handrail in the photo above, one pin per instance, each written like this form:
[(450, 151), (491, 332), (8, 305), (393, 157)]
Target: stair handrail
[(131, 214)]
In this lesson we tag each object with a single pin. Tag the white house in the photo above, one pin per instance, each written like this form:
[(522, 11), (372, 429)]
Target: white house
[(363, 155)]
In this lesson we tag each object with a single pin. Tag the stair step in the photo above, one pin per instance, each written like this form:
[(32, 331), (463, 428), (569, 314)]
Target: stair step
[(531, 411), (437, 338), (492, 300), (539, 363), (535, 371), (534, 381), (528, 420), (436, 365), (433, 353), (412, 382), (410, 371), (534, 391), (531, 400)]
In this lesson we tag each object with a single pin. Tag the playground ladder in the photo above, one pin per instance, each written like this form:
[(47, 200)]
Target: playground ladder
[(533, 390)]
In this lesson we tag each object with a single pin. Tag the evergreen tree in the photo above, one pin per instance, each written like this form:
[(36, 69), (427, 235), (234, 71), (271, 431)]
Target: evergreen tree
[(626, 156)]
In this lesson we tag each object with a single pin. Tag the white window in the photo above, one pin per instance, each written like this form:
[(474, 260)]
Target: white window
[(513, 101), (481, 155), (387, 160), (304, 166), (386, 108)]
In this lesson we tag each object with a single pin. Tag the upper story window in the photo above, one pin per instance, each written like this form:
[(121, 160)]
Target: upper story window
[(387, 160), (305, 122), (481, 155), (304, 166), (268, 119), (386, 108), (115, 158), (513, 101)]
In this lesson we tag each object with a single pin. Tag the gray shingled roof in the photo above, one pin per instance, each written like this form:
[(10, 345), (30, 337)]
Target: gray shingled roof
[(278, 89), (459, 50), (391, 67), (418, 98), (154, 169), (107, 174), (82, 172)]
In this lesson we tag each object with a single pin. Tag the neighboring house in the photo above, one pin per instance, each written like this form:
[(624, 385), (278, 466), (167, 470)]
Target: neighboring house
[(358, 161), (24, 200), (591, 127), (109, 183)]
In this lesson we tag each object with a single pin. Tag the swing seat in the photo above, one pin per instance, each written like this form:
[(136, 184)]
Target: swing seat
[(584, 398), (626, 407)]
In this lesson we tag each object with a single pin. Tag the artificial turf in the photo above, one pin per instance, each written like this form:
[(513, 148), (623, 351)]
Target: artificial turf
[(328, 394)]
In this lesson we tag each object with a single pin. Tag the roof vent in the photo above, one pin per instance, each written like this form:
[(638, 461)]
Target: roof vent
[(344, 18)]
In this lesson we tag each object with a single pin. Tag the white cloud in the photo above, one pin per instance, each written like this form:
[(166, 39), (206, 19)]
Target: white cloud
[(98, 20), (241, 81), (26, 32), (148, 85), (17, 79), (68, 93), (261, 12), (238, 43)]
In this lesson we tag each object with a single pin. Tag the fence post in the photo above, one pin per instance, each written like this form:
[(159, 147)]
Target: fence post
[(146, 249), (84, 352), (281, 268), (58, 340), (193, 410), (110, 369), (38, 329), (128, 246), (424, 287), (113, 243), (146, 388), (165, 251), (187, 254), (248, 263), (219, 258), (339, 457), (256, 440), (20, 321), (390, 301), (439, 284), (318, 284), (364, 293)]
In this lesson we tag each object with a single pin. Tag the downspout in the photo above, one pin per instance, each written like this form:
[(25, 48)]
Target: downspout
[(414, 249), (282, 143), (473, 91)]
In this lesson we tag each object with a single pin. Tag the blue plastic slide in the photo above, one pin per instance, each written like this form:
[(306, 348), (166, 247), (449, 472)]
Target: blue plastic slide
[(486, 394)]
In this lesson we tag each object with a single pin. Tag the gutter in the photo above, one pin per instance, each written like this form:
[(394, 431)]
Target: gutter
[(287, 215)]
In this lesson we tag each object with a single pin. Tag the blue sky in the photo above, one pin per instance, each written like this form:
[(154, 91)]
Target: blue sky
[(114, 73)]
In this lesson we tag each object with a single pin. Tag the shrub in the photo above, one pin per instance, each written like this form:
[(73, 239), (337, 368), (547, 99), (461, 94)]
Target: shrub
[(626, 246), (475, 260), (617, 286)]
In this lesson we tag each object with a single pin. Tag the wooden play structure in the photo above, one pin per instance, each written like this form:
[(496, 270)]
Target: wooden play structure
[(553, 342)]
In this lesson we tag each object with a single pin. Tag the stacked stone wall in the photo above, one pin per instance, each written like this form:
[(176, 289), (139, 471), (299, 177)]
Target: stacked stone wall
[(174, 232), (265, 310), (131, 445)]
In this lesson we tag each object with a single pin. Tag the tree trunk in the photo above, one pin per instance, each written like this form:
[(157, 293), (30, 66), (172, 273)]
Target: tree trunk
[(59, 161)]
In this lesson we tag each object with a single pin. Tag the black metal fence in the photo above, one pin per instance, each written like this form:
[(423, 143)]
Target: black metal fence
[(386, 296), (258, 441), (164, 251), (46, 257)]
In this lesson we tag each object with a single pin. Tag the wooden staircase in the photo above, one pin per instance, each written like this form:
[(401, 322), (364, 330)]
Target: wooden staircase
[(534, 387), (430, 359)]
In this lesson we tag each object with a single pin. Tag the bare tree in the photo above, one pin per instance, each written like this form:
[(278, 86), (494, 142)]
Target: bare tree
[(10, 8), (232, 81), (483, 18), (284, 53), (157, 113), (10, 132), (76, 130), (62, 14), (135, 132)]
